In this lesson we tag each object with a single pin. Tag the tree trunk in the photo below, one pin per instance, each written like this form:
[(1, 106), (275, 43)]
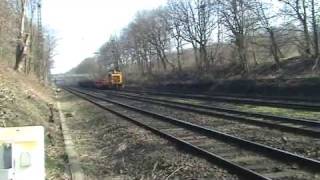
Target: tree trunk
[(21, 52), (274, 48), (243, 60), (307, 38), (167, 60), (316, 64), (158, 63), (305, 29), (204, 57), (254, 57), (315, 30), (163, 59), (22, 39), (196, 56), (140, 64), (30, 59), (179, 58), (242, 53)]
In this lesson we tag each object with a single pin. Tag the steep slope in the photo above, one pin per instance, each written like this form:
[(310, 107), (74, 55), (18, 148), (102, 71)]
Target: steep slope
[(25, 102)]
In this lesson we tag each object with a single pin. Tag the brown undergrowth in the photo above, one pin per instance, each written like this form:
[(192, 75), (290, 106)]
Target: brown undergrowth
[(25, 102)]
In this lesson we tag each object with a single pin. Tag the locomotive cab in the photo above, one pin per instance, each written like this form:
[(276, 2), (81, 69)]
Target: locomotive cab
[(115, 79)]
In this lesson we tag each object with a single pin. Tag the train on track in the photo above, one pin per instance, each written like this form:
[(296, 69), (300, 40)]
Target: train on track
[(113, 80)]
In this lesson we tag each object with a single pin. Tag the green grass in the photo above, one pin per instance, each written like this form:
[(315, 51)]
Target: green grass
[(263, 109), (56, 163), (282, 111)]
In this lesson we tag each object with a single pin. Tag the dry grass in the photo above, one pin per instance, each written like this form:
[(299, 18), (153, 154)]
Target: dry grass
[(25, 102), (112, 148)]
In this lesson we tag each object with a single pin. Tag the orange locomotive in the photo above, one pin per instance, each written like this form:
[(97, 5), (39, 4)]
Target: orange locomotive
[(114, 79)]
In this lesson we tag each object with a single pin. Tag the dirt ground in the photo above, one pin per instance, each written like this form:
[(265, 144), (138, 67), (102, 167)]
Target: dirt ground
[(112, 148), (25, 102)]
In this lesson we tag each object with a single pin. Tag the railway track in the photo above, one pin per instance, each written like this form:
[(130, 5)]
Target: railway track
[(287, 124), (248, 159), (308, 106), (303, 99)]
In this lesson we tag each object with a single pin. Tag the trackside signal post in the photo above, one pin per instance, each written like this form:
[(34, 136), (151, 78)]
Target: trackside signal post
[(22, 153)]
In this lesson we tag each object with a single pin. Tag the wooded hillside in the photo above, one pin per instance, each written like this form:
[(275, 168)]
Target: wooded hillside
[(207, 36), (24, 44)]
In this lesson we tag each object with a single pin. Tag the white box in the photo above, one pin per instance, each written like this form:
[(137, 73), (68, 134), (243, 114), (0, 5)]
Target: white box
[(22, 153)]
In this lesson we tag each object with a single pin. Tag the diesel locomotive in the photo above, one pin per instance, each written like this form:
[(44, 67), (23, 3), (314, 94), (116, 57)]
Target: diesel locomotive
[(114, 80)]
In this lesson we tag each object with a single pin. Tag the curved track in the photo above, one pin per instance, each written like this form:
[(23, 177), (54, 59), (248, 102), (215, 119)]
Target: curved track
[(248, 159)]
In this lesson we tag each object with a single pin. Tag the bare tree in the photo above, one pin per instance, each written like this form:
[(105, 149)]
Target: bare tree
[(8, 30), (115, 51), (17, 26), (238, 18), (315, 34), (262, 10), (176, 35), (141, 44), (106, 56), (217, 44), (130, 45), (298, 10), (197, 19), (33, 4), (23, 38), (157, 31), (50, 43)]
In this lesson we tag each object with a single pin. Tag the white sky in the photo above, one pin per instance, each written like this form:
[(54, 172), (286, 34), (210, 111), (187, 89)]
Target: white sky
[(82, 26)]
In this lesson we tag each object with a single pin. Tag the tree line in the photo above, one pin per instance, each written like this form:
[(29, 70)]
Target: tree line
[(158, 39), (24, 43)]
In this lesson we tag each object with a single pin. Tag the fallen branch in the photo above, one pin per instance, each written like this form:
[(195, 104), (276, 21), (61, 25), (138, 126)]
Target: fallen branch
[(154, 169), (173, 173)]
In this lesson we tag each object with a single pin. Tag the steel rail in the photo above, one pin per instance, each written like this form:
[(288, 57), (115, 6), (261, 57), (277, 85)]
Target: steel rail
[(303, 99), (207, 111), (308, 122), (267, 150), (262, 102), (247, 173)]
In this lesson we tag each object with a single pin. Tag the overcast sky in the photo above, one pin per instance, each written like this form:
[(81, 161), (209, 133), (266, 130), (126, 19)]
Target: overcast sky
[(82, 26)]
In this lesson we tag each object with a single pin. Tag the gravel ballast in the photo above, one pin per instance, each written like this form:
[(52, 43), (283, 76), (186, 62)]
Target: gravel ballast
[(111, 147)]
